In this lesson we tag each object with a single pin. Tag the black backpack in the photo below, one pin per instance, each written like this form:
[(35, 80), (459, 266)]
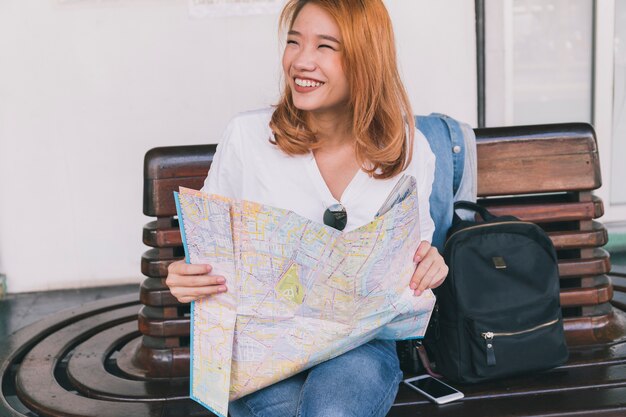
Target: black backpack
[(498, 311)]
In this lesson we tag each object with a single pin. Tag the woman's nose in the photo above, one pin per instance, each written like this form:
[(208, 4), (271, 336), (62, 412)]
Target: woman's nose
[(304, 61)]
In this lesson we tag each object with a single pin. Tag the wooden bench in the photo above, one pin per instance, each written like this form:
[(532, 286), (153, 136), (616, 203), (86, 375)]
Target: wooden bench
[(130, 356), (543, 174)]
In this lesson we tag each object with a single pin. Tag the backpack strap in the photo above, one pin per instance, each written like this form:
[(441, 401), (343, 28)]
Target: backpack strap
[(468, 205), (421, 352)]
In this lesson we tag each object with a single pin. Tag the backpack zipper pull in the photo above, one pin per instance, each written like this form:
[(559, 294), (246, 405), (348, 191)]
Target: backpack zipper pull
[(491, 355)]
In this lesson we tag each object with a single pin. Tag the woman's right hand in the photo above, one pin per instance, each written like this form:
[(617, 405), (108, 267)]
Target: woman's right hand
[(189, 282)]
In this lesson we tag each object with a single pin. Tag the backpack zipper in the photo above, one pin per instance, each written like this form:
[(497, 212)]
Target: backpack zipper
[(488, 336), (484, 225)]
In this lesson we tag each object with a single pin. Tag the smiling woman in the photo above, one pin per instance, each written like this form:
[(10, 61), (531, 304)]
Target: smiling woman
[(345, 53), (338, 142)]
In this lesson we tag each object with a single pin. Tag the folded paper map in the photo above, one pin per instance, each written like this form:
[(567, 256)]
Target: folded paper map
[(299, 292)]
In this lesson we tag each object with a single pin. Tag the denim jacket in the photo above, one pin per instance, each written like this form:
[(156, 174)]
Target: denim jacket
[(454, 145)]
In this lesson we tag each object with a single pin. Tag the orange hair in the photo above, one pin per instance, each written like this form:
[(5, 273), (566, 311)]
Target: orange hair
[(381, 112)]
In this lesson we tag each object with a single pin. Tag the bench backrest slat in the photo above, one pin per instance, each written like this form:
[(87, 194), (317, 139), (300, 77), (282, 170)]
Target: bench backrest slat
[(537, 159)]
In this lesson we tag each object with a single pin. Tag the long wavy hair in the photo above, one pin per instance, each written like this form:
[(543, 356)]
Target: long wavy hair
[(382, 121)]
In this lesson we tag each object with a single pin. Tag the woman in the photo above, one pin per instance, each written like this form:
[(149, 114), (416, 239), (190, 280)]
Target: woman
[(337, 143)]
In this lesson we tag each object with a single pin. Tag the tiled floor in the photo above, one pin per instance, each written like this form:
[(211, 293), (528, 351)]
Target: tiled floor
[(19, 310)]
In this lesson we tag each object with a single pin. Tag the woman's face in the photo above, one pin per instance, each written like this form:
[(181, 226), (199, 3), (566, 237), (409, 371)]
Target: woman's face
[(312, 62)]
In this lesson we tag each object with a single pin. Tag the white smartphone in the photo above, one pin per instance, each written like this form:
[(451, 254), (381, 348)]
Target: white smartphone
[(434, 389)]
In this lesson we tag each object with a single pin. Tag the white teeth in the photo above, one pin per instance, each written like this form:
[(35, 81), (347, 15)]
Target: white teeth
[(307, 83)]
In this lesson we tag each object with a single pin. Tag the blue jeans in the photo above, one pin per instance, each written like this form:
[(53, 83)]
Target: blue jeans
[(360, 383)]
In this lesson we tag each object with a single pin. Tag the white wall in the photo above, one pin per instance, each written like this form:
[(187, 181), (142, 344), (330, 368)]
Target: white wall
[(88, 86)]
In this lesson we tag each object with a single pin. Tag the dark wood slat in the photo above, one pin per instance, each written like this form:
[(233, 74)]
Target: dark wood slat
[(167, 168), (178, 161), (596, 355), (534, 163), (161, 342), (586, 296), (165, 327), (525, 160), (544, 210), (170, 362), (510, 145), (125, 361), (529, 174), (137, 361), (154, 292), (151, 324), (159, 194), (87, 373), (157, 237), (599, 206), (595, 329), (154, 264), (599, 264), (577, 239)]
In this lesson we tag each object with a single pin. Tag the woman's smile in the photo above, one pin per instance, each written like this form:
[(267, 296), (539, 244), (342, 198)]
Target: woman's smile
[(306, 85)]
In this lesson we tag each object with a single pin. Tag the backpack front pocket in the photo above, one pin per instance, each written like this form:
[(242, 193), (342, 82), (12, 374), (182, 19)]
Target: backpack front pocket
[(498, 352)]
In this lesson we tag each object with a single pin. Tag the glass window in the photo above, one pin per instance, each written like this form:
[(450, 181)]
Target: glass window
[(543, 61), (552, 60)]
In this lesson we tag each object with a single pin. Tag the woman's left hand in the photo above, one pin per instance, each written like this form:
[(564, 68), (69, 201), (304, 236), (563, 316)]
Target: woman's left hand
[(431, 269)]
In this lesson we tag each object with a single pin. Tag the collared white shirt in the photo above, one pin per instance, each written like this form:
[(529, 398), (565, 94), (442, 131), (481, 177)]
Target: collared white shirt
[(247, 166)]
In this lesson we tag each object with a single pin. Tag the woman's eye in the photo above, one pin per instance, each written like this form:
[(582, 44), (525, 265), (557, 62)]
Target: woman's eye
[(291, 42), (326, 46)]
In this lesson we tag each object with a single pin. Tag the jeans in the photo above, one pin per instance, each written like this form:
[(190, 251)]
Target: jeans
[(360, 383)]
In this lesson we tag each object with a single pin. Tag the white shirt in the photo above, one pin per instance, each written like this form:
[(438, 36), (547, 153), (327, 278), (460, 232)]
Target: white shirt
[(247, 166)]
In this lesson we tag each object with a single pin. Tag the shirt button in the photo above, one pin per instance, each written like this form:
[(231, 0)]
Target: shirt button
[(456, 149)]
